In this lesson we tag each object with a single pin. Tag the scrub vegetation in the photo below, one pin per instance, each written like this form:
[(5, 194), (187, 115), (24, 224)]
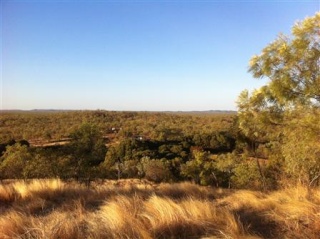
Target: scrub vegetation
[(254, 173)]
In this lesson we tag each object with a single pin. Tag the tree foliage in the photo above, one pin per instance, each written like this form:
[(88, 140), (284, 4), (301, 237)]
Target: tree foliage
[(287, 108), (14, 160), (274, 136), (292, 65), (87, 149)]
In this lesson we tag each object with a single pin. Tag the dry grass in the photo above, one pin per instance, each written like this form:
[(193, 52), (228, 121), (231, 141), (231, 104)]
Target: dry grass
[(138, 209)]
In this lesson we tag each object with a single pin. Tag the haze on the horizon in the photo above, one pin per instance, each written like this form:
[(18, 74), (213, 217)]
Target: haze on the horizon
[(136, 55)]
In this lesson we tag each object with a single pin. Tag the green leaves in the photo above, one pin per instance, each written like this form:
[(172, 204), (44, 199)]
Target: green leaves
[(14, 160), (301, 147), (287, 108), (292, 65), (87, 149)]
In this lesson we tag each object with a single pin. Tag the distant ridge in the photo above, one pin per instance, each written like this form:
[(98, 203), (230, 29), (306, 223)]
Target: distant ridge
[(150, 111), (34, 110)]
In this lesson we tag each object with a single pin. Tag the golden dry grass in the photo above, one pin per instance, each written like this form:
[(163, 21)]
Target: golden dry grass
[(139, 209)]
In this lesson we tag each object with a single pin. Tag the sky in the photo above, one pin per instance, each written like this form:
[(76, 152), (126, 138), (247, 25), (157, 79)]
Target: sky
[(136, 55)]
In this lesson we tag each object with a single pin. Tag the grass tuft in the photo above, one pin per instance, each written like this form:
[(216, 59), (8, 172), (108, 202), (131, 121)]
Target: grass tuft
[(138, 209)]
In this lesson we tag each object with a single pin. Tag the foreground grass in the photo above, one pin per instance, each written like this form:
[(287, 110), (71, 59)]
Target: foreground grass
[(135, 209)]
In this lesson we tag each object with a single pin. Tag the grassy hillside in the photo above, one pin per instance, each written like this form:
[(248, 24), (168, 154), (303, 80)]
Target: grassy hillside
[(140, 209)]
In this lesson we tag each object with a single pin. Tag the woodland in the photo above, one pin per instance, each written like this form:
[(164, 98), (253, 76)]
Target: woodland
[(86, 145), (273, 139), (191, 165)]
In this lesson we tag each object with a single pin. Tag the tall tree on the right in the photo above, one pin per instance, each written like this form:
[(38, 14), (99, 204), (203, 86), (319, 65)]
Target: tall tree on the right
[(287, 109)]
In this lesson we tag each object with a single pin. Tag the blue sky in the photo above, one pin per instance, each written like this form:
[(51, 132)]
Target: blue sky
[(136, 55)]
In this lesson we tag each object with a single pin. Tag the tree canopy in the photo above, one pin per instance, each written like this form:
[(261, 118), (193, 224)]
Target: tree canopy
[(292, 65), (287, 108)]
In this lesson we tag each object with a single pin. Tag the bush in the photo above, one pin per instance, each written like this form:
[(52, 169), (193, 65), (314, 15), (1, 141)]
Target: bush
[(157, 171)]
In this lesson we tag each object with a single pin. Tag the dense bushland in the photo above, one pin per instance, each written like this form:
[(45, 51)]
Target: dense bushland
[(90, 151), (273, 140), (46, 126), (271, 143)]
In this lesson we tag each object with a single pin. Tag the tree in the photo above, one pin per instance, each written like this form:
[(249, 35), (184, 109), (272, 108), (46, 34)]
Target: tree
[(44, 164), (87, 150), (201, 169), (246, 175), (301, 148), (290, 101), (118, 154), (292, 65), (193, 168), (39, 167), (258, 124), (226, 164), (157, 170), (13, 161)]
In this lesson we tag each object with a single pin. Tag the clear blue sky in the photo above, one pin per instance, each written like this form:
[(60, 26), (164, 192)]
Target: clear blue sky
[(136, 55)]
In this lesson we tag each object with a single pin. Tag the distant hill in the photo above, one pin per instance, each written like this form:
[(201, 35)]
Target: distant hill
[(169, 112), (34, 110)]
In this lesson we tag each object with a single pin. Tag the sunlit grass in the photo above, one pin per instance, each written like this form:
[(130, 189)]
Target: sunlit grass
[(140, 209)]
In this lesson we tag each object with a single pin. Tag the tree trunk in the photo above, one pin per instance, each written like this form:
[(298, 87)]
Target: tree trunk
[(262, 177)]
